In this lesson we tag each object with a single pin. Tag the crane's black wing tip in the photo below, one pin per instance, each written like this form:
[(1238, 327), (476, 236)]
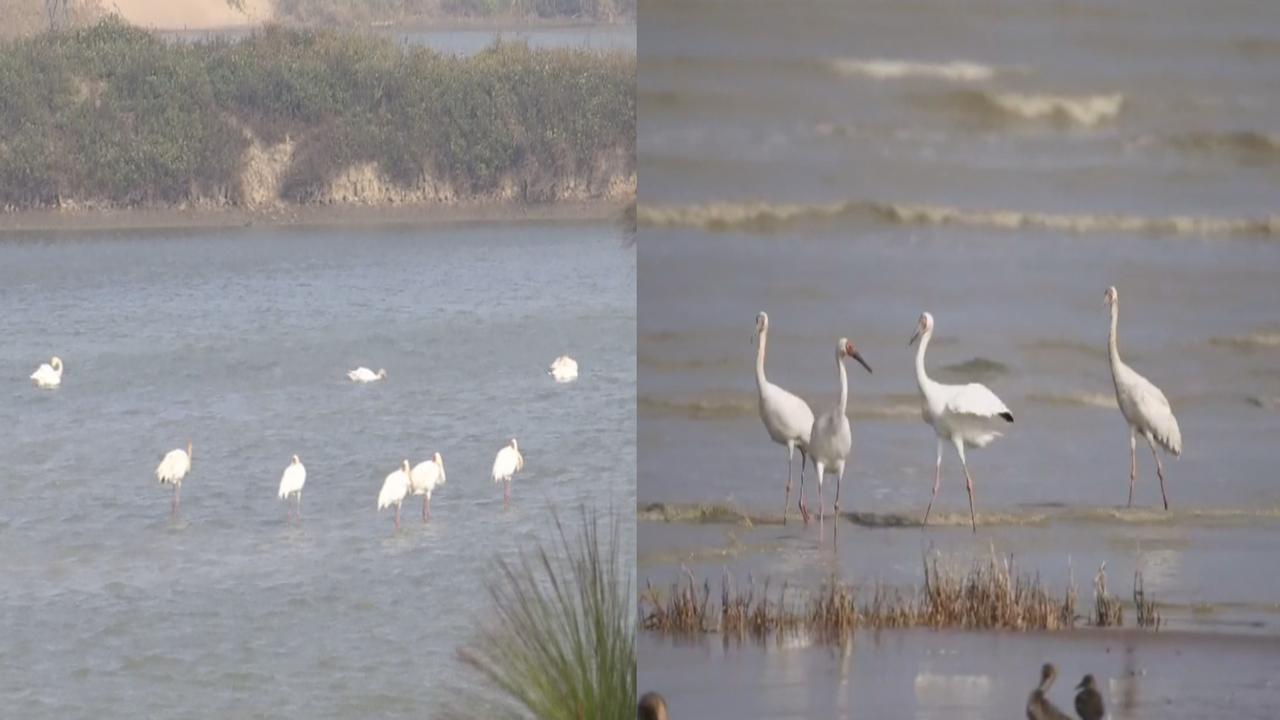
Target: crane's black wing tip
[(1008, 416)]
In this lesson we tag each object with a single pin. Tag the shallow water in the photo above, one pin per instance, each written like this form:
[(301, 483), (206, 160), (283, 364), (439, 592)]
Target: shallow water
[(240, 340), (846, 167), (927, 674)]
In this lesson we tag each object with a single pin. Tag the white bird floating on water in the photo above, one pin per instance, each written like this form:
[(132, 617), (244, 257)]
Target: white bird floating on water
[(365, 375), (508, 462), (48, 375), (173, 467), (1144, 407), (394, 490), (963, 414), (426, 477), (786, 417), (564, 369), (292, 480), (830, 439)]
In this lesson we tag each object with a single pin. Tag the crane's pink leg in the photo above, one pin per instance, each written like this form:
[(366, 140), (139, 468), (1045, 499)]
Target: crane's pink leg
[(397, 516), (786, 502), (177, 498), (973, 519), (424, 508), (804, 507), (1159, 474), (839, 480), (298, 514), (821, 467), (506, 494), (937, 477), (1133, 463)]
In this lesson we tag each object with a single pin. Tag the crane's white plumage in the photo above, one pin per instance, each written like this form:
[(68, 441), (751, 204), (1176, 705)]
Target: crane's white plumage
[(1143, 405), (394, 489), (564, 369), (173, 467), (831, 438), (426, 477), (292, 480), (48, 375), (965, 415), (365, 375), (786, 417), (508, 462)]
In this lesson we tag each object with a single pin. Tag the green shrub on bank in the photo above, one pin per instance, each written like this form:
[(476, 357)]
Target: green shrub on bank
[(112, 113)]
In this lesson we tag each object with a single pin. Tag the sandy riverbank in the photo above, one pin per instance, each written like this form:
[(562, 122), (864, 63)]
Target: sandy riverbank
[(302, 215)]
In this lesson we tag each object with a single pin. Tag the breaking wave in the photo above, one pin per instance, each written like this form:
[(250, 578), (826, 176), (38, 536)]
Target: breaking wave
[(1085, 399), (1261, 339), (764, 217), (1247, 147), (1085, 110), (730, 406), (885, 69)]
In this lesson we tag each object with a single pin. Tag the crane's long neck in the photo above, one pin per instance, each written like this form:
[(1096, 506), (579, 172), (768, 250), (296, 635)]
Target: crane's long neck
[(760, 379), (844, 385), (1112, 350), (922, 377)]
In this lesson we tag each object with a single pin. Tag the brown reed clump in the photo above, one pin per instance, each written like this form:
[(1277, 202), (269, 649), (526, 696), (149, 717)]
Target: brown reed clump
[(1146, 611), (991, 594)]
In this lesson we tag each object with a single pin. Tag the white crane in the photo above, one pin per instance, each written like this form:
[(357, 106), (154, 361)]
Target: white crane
[(292, 480), (365, 375), (508, 462), (1144, 407), (786, 417), (830, 438), (173, 467), (966, 415), (426, 477), (48, 375), (394, 490), (564, 369)]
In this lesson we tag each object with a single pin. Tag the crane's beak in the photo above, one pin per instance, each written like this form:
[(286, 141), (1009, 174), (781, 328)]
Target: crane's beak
[(914, 338), (858, 356)]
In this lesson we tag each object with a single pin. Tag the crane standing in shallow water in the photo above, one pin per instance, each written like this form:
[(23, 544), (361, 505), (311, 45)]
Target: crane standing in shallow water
[(1144, 407), (963, 414), (830, 439), (787, 418)]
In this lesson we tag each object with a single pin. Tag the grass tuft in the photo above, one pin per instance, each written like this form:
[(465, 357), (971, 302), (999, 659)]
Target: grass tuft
[(562, 643)]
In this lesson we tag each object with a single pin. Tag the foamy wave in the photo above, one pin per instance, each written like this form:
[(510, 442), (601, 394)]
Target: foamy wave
[(884, 69), (1086, 399), (1247, 146), (725, 407), (1080, 109), (1263, 339), (772, 217)]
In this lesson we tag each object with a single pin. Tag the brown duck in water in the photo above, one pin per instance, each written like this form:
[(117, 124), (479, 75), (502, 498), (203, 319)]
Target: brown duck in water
[(652, 707), (1089, 701), (1038, 705)]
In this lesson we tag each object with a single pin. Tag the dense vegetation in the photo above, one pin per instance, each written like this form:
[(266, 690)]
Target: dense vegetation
[(113, 114)]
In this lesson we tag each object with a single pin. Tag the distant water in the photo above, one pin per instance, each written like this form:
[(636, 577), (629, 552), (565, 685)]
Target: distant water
[(845, 167), (470, 42), (240, 341)]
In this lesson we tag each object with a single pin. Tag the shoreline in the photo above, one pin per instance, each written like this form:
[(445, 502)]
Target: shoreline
[(54, 220), (411, 25)]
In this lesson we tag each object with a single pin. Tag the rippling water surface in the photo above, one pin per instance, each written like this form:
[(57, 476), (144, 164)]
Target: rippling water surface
[(240, 340), (845, 166)]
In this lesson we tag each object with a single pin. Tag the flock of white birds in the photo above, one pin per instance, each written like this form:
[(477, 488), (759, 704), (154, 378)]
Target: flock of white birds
[(421, 479), (963, 415)]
